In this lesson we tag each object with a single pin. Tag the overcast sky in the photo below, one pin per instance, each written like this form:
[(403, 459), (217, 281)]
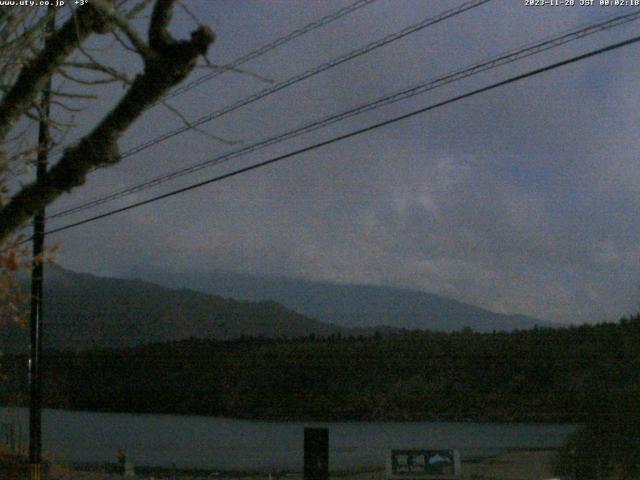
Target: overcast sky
[(521, 200)]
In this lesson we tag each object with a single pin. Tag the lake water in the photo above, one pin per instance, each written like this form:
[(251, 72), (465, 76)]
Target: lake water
[(227, 444)]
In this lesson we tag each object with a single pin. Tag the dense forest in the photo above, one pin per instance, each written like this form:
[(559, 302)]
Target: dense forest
[(540, 375)]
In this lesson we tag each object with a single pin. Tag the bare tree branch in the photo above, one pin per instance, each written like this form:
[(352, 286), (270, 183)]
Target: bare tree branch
[(186, 121), (33, 78), (168, 63), (139, 44), (124, 44), (159, 37), (136, 10), (83, 81)]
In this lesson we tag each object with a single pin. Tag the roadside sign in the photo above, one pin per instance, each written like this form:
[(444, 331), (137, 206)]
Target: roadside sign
[(405, 464)]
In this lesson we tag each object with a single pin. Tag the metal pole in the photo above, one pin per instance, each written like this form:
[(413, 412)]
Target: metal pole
[(35, 325), (316, 454)]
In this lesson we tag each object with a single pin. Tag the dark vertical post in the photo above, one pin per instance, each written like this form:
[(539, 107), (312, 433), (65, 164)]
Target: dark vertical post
[(316, 454), (35, 324)]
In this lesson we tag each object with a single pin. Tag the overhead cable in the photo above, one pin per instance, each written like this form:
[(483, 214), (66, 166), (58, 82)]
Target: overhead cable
[(352, 134), (423, 87)]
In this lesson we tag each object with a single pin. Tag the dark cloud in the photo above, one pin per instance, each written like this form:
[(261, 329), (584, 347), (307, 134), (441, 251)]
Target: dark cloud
[(520, 200)]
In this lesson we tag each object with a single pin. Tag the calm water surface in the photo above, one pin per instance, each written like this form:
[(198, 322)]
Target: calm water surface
[(205, 442)]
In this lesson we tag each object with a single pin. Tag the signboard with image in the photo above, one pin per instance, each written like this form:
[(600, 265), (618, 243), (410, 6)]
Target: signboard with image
[(423, 464)]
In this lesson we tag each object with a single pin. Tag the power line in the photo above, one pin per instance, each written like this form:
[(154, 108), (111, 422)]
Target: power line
[(494, 62), (354, 133), (271, 46), (305, 75), (308, 74), (234, 64)]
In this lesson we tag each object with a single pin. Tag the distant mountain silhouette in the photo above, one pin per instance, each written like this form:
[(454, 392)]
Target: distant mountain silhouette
[(359, 306), (83, 311)]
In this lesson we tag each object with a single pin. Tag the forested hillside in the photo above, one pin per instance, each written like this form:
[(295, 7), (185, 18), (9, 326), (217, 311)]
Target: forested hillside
[(539, 375), (84, 311)]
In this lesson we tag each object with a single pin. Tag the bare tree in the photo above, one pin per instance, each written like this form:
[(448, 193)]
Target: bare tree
[(26, 66), (76, 54)]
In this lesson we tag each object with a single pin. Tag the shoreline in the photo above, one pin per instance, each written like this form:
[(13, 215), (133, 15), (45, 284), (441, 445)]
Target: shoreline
[(532, 464), (284, 419), (514, 464)]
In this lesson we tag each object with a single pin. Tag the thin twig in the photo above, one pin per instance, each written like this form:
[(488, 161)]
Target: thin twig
[(139, 44), (197, 129)]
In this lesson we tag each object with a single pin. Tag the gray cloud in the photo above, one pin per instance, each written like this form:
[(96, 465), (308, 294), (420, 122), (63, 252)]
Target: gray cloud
[(520, 200)]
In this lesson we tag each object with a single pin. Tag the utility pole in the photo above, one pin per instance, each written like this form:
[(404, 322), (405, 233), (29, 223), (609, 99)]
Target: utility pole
[(35, 324)]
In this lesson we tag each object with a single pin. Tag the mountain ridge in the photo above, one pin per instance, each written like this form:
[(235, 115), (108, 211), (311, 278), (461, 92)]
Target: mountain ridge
[(84, 311), (351, 305)]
